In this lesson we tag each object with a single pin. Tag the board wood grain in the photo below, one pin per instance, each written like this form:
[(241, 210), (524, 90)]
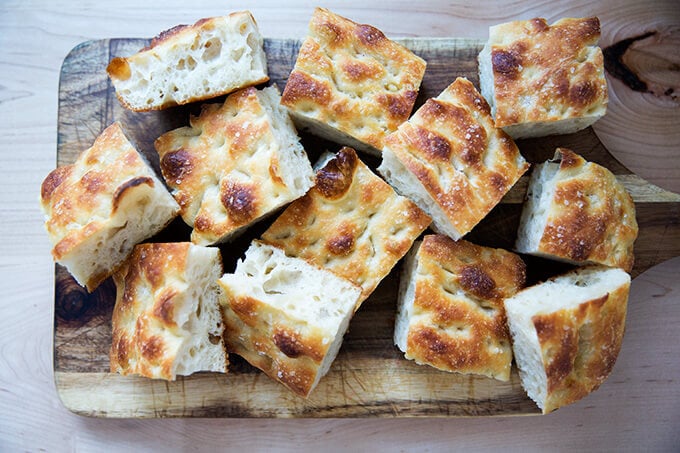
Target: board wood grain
[(370, 377)]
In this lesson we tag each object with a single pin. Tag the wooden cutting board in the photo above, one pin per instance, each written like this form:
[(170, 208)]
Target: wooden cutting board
[(370, 377)]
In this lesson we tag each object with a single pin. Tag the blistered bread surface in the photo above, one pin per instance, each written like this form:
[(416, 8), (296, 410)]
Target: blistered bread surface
[(463, 163), (547, 73), (351, 223), (457, 321), (228, 168), (591, 217), (152, 321), (107, 192), (352, 78)]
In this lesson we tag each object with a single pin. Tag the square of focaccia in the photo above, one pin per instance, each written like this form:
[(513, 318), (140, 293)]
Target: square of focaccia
[(450, 311), (567, 333), (285, 316), (99, 207), (577, 211), (451, 160), (167, 319), (351, 223), (350, 83), (189, 63), (237, 162), (544, 79)]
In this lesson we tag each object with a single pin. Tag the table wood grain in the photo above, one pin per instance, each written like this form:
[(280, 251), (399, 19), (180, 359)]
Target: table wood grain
[(637, 408)]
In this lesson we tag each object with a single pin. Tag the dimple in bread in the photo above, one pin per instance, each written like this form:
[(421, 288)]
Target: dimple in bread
[(450, 312), (236, 162), (99, 207), (451, 160), (567, 333), (167, 319), (544, 79), (576, 211), (351, 223), (285, 316), (190, 63), (350, 83)]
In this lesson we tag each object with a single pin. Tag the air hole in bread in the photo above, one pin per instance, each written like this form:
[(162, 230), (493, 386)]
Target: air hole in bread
[(214, 339), (212, 49), (236, 54)]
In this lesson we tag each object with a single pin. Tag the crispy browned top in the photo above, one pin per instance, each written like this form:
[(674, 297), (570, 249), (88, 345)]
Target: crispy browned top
[(458, 321), (547, 72), (451, 145), (224, 169), (351, 223), (579, 346), (591, 217), (287, 350), (351, 77), (149, 286), (91, 195)]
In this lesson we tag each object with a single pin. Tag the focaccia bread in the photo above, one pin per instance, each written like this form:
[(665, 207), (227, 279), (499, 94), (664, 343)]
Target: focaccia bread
[(236, 163), (576, 211), (544, 79), (167, 319), (99, 207), (450, 312), (451, 160), (285, 316), (567, 333), (190, 63), (351, 223), (350, 83)]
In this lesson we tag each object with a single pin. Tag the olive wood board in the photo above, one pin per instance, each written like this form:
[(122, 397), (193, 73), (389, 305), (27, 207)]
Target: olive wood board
[(370, 377)]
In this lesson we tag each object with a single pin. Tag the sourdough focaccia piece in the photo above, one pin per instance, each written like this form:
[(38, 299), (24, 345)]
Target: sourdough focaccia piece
[(450, 311), (451, 160), (567, 333), (285, 316), (576, 211), (350, 83), (351, 223), (167, 319), (99, 207), (190, 63), (236, 163), (544, 79)]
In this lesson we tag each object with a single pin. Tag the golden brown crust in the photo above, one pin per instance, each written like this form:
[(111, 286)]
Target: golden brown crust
[(144, 340), (352, 78), (579, 346), (94, 195), (463, 162), (351, 223), (458, 320), (287, 350), (592, 217), (547, 72), (230, 147), (150, 292)]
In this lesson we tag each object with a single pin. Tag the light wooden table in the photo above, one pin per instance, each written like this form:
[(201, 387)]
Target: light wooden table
[(638, 407)]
